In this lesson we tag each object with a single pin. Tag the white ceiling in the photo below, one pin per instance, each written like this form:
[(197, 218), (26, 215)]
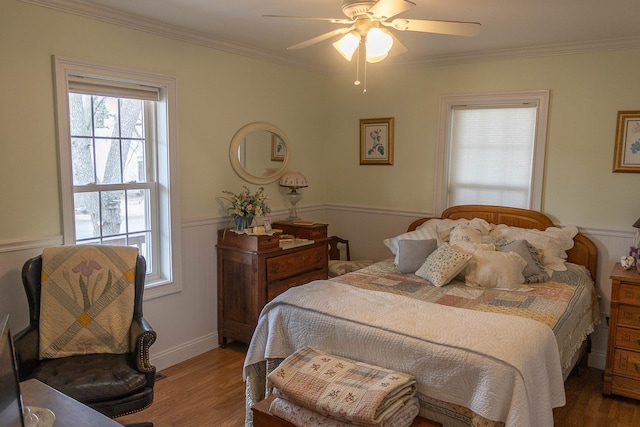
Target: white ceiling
[(510, 28)]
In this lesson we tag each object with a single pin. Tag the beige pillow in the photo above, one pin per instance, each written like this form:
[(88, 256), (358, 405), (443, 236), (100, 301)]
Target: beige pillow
[(443, 265), (493, 269)]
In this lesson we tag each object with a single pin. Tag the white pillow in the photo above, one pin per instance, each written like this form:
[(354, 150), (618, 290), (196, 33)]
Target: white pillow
[(443, 265), (436, 228), (552, 243), (492, 269)]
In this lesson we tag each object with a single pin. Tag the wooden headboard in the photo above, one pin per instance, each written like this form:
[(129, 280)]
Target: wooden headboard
[(584, 251)]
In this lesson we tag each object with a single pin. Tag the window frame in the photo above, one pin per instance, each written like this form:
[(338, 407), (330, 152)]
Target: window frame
[(168, 260), (446, 105)]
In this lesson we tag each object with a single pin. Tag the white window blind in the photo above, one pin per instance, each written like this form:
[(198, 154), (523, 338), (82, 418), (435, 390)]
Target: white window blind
[(101, 87), (491, 155)]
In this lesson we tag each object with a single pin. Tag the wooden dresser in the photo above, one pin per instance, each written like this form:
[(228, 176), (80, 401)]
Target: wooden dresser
[(622, 373), (252, 270)]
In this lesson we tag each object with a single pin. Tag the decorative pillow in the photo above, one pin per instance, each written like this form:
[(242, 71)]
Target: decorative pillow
[(493, 269), (469, 233), (413, 253), (552, 243), (534, 271), (436, 228), (443, 265)]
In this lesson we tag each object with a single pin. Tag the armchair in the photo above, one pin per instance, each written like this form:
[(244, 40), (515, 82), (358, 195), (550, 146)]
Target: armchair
[(113, 384)]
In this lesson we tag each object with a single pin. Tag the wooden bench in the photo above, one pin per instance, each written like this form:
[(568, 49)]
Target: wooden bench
[(263, 418)]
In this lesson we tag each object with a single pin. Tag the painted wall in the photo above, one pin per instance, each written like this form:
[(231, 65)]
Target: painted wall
[(220, 92), (217, 94), (587, 90)]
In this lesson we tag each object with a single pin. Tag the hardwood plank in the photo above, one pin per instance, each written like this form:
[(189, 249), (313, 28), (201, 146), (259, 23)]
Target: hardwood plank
[(208, 391)]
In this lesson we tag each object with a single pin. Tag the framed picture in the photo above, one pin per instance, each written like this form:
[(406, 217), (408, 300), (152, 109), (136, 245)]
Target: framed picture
[(376, 141), (627, 152), (278, 148)]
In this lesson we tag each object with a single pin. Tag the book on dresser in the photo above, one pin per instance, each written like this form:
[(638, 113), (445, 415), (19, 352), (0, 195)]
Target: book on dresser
[(253, 269)]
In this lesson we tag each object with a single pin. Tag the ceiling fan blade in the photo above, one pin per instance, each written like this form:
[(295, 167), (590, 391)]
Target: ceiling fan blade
[(388, 8), (321, 37), (454, 28), (332, 20)]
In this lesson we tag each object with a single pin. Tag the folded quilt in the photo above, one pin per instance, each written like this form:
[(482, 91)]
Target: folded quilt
[(341, 388), (303, 417)]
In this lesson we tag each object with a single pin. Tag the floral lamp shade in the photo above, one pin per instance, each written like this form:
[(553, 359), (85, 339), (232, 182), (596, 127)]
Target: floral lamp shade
[(293, 180)]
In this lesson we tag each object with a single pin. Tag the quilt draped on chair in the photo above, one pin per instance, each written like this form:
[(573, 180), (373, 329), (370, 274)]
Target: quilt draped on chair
[(87, 300)]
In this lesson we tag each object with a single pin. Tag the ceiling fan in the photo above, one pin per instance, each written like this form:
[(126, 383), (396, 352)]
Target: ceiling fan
[(368, 22)]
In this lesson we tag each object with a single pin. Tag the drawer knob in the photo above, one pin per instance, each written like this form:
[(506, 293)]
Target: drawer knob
[(636, 366)]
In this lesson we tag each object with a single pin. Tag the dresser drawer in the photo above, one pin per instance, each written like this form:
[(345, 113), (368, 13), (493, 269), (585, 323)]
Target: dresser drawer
[(629, 316), (625, 387), (294, 263), (629, 294), (628, 338), (626, 363), (276, 288)]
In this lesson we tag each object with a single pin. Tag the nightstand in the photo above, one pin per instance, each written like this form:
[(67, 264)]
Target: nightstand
[(253, 270), (622, 372)]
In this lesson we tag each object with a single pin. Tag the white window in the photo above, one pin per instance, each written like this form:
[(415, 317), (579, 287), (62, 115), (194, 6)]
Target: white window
[(115, 128), (491, 150)]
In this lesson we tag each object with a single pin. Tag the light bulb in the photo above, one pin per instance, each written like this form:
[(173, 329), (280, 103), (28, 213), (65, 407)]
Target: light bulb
[(347, 45), (378, 45)]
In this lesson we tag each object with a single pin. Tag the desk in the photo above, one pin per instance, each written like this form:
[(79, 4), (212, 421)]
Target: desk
[(68, 411)]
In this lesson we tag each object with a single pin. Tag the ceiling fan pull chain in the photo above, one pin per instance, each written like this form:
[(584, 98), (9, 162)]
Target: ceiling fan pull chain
[(357, 81), (364, 88)]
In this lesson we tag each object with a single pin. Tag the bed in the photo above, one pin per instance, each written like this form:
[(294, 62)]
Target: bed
[(482, 355)]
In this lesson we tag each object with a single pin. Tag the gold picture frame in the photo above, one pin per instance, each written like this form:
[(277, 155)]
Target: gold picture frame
[(627, 150), (278, 149), (376, 141)]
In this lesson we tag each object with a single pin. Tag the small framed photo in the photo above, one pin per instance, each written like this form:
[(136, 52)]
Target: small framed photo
[(278, 148), (267, 225), (376, 141), (627, 151)]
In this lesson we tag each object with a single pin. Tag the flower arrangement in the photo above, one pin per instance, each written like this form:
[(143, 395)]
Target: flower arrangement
[(244, 206)]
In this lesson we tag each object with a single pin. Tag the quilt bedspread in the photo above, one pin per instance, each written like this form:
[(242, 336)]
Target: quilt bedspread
[(567, 304)]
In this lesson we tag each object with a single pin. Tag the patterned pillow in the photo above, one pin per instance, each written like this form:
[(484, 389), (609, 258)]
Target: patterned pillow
[(443, 265)]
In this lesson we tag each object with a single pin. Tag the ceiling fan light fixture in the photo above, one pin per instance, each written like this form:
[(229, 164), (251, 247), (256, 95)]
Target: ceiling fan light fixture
[(347, 45), (378, 44)]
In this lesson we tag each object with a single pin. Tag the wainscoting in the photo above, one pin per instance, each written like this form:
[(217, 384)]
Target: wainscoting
[(186, 321)]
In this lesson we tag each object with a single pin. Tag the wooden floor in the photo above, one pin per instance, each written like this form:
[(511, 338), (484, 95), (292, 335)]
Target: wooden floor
[(208, 391)]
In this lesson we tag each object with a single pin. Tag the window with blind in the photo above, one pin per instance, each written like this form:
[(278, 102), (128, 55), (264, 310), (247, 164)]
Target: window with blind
[(491, 150), (114, 162)]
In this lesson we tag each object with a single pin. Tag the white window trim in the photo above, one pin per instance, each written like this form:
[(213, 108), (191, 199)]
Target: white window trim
[(446, 104), (167, 152)]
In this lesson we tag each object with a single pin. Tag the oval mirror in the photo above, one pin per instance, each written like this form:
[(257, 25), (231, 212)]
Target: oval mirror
[(259, 153)]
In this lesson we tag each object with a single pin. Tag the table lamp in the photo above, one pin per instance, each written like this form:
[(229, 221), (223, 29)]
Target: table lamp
[(293, 180)]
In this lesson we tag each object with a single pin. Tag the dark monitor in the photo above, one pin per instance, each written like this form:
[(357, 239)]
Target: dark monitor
[(10, 397)]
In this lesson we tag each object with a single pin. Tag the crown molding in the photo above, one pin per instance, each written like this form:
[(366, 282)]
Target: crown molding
[(141, 23), (152, 26), (557, 49)]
